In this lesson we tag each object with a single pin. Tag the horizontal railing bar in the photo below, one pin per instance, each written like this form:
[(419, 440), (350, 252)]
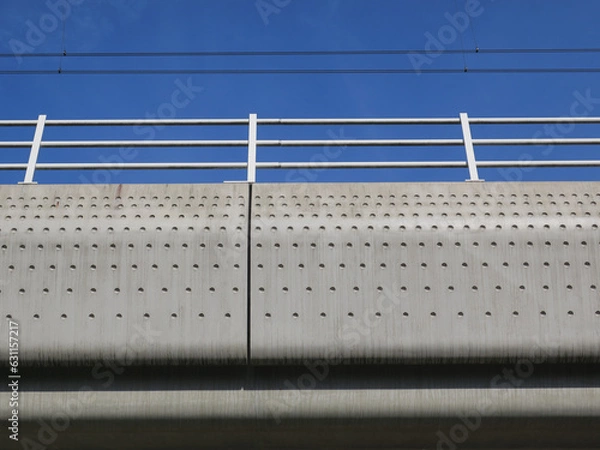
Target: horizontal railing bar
[(361, 165), (322, 121), (126, 122), (303, 165), (531, 120), (239, 143), (302, 143), (143, 143), (127, 166), (360, 143), (569, 163), (18, 123), (10, 166), (386, 121), (558, 141), (425, 164), (15, 144), (341, 121)]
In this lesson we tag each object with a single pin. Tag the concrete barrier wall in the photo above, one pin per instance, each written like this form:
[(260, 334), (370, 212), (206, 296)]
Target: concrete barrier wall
[(142, 273), (406, 272), (409, 272)]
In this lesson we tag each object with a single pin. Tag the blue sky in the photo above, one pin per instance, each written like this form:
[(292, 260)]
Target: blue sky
[(245, 25)]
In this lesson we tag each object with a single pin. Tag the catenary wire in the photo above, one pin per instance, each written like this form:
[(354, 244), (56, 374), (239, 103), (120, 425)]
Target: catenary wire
[(530, 70), (175, 54)]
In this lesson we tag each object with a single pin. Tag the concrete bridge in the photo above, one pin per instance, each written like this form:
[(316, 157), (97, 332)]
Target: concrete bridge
[(425, 315), (339, 316)]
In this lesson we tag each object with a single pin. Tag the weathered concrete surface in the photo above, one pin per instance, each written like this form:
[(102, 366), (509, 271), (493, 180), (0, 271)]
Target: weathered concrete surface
[(418, 272), (406, 272), (398, 273), (137, 273)]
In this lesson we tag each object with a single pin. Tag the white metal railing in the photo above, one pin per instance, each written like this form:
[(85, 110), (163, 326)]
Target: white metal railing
[(253, 143)]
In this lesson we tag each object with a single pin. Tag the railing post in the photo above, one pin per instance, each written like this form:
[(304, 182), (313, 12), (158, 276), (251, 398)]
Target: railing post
[(468, 142), (252, 132), (35, 150)]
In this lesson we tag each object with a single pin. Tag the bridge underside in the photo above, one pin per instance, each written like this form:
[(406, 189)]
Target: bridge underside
[(442, 315), (315, 405)]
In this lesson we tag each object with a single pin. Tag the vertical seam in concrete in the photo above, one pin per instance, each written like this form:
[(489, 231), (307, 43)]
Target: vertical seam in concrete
[(249, 275)]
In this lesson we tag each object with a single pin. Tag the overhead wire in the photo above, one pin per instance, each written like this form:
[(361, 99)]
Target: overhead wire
[(529, 70), (296, 53), (176, 54)]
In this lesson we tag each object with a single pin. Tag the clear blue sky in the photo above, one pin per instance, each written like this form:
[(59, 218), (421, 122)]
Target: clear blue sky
[(231, 25)]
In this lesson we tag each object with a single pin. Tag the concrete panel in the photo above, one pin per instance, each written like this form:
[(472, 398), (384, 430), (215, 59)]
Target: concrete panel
[(137, 273), (411, 272)]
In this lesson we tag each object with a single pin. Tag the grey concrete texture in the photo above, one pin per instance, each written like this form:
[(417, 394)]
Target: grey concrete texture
[(372, 272), (142, 273), (418, 272)]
